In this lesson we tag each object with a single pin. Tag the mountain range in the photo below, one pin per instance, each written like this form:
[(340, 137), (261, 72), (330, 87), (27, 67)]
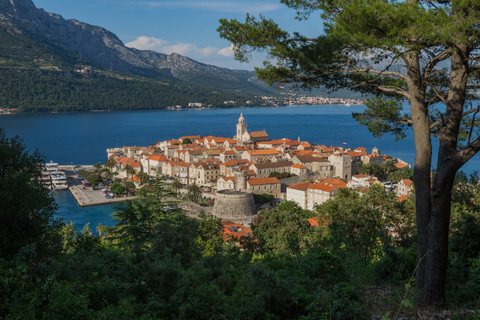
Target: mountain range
[(26, 29)]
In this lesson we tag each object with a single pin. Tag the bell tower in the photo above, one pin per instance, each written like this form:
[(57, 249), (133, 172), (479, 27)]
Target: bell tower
[(241, 127)]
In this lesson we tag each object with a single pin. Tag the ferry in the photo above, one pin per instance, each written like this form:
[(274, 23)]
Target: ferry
[(52, 166), (59, 180)]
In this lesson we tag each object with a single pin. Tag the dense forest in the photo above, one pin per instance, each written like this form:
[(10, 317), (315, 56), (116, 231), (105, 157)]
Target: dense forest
[(159, 264), (35, 90)]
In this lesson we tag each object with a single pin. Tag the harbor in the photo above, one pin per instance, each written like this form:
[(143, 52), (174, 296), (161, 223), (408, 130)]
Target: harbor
[(87, 196)]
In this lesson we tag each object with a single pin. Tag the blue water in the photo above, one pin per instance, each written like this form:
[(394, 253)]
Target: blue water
[(69, 210), (82, 138)]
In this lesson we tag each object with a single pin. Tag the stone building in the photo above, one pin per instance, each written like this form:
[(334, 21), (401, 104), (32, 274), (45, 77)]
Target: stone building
[(244, 137)]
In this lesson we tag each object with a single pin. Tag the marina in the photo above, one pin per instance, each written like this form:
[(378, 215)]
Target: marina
[(85, 196)]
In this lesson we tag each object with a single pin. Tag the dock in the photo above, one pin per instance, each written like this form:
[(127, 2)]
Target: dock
[(87, 197)]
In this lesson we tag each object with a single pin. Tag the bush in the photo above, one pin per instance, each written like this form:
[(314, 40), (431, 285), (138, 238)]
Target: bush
[(396, 264), (263, 198), (464, 244)]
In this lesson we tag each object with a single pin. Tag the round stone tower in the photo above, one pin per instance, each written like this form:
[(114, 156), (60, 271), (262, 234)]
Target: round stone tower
[(234, 205)]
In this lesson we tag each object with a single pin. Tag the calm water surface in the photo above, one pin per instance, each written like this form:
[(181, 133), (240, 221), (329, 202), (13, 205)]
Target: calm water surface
[(82, 138)]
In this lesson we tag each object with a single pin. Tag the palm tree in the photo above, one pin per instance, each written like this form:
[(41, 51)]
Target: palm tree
[(110, 163), (128, 169), (98, 166)]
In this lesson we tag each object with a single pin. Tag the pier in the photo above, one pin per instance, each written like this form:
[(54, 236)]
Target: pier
[(87, 197)]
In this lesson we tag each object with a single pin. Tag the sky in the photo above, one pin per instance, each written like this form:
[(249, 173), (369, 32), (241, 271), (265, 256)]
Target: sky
[(187, 27)]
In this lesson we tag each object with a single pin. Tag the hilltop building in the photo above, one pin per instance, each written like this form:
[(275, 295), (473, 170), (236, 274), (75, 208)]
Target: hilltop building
[(245, 138)]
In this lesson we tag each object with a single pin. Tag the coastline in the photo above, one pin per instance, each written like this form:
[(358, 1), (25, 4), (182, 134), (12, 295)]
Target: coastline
[(186, 108)]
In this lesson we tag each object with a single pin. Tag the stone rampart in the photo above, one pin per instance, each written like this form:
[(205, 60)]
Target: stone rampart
[(234, 205)]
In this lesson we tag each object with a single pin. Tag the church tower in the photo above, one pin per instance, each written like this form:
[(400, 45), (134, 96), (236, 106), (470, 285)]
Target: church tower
[(241, 128)]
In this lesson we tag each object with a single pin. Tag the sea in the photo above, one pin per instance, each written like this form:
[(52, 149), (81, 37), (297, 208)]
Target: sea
[(82, 138)]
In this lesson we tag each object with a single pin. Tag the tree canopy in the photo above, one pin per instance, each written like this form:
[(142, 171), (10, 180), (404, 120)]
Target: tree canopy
[(423, 51), (26, 207)]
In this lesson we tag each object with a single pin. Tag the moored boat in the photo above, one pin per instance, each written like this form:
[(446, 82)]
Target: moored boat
[(59, 180), (52, 166)]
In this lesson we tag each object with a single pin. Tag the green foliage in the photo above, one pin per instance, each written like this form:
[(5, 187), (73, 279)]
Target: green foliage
[(26, 207), (209, 234), (93, 178), (474, 273), (186, 141), (194, 193), (280, 175), (464, 244), (134, 226), (397, 264), (357, 224), (292, 206), (263, 198), (383, 116), (281, 231), (383, 171), (110, 164), (40, 90), (117, 188)]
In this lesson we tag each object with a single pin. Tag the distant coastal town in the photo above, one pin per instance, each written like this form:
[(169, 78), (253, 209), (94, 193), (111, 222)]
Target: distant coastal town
[(251, 162), (285, 99)]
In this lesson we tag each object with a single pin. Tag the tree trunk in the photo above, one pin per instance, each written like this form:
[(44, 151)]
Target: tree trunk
[(434, 268), (423, 159)]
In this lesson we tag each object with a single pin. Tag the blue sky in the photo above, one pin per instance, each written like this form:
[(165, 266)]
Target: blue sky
[(187, 27)]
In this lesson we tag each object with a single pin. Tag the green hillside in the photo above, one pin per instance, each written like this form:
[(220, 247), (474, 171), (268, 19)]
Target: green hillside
[(46, 89)]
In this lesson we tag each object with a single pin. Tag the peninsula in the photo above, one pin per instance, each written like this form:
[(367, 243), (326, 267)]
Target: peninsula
[(252, 162)]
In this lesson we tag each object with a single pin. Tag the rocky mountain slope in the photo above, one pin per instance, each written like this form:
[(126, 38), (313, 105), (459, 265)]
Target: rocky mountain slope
[(102, 48)]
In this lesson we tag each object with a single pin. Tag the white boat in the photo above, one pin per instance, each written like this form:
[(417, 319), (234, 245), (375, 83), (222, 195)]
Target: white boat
[(52, 166), (59, 180)]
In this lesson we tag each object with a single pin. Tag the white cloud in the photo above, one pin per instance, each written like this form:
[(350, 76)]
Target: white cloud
[(147, 43), (222, 57), (222, 6), (227, 52), (160, 45)]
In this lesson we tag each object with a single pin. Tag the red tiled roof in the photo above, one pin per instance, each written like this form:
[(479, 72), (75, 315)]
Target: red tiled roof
[(298, 166), (356, 154), (234, 162), (361, 176), (258, 134), (262, 152), (135, 164), (261, 181), (400, 165), (302, 186)]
